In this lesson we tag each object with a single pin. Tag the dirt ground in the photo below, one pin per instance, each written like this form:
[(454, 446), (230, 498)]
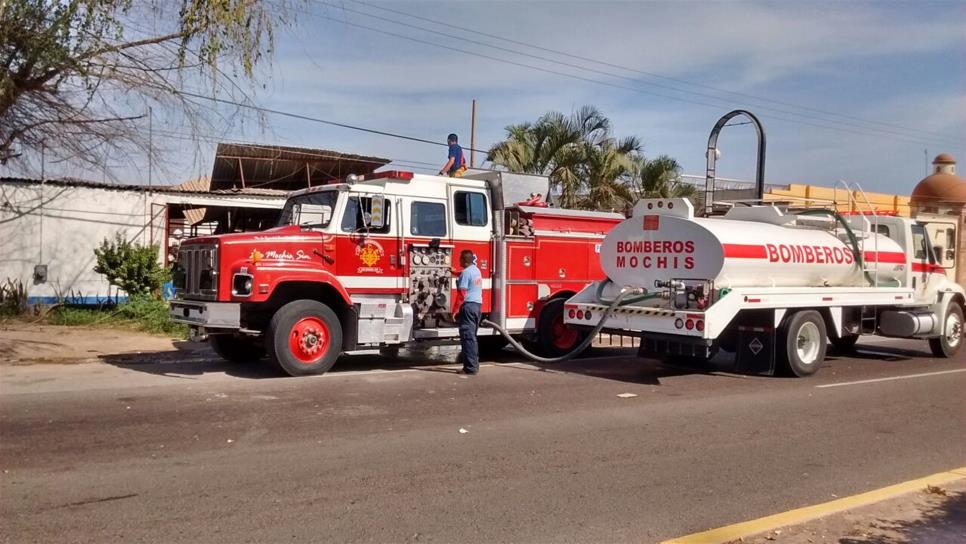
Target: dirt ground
[(936, 515), (25, 343)]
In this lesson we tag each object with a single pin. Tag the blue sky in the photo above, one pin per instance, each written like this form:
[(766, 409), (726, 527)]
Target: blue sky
[(892, 73)]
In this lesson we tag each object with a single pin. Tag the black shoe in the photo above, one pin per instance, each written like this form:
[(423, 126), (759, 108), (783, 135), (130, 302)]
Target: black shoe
[(467, 372)]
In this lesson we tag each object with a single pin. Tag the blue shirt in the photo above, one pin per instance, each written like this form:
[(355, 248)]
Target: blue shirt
[(455, 153), (472, 282)]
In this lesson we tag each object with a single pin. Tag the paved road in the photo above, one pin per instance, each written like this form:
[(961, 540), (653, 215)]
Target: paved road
[(142, 450)]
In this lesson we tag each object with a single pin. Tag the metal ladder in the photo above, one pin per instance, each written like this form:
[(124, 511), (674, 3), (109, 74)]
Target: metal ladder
[(869, 221)]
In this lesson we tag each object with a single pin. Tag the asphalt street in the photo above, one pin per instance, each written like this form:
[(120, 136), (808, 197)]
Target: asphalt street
[(610, 448)]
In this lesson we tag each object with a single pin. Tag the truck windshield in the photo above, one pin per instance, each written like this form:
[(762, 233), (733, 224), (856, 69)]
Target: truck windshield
[(313, 210)]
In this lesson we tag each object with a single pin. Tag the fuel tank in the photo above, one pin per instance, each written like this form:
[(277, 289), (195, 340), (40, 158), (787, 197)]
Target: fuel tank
[(749, 246)]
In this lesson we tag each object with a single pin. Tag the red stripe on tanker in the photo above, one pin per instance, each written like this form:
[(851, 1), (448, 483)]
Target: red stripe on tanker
[(773, 251)]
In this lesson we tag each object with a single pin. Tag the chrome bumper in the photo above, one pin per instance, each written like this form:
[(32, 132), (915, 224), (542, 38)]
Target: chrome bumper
[(210, 315)]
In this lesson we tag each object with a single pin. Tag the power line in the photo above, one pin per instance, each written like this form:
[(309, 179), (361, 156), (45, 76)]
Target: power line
[(314, 119), (598, 82), (634, 70), (170, 134)]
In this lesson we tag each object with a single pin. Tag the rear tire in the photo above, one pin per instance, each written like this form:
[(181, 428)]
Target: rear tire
[(304, 337), (553, 336), (802, 342), (951, 339), (844, 344), (236, 348)]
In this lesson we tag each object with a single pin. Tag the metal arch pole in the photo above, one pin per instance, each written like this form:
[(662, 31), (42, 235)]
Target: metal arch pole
[(713, 146)]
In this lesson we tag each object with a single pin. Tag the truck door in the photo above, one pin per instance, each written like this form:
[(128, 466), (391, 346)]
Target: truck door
[(471, 229), (924, 267), (368, 254), (430, 256), (942, 236)]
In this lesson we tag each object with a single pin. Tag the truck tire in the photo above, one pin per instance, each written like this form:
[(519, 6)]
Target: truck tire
[(844, 344), (304, 337), (802, 342), (237, 348), (555, 338), (949, 342)]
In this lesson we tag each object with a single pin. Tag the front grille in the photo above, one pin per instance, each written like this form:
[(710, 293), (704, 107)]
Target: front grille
[(196, 272)]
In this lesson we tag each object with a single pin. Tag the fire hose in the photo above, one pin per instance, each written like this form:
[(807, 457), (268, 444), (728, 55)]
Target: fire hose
[(612, 305)]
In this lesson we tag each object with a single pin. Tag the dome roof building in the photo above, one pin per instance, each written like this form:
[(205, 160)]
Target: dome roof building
[(943, 187)]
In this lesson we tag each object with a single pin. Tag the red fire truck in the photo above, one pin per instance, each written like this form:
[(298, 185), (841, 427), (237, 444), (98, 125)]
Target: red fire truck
[(371, 262)]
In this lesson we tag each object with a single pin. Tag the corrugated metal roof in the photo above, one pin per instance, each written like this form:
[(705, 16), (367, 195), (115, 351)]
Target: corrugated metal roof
[(282, 167), (74, 182), (191, 188)]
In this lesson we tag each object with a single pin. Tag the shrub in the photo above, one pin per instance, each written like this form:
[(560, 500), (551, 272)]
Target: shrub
[(131, 267), (151, 315), (13, 298), (142, 313)]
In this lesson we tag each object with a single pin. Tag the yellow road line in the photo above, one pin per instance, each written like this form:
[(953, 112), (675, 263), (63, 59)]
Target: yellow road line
[(808, 513)]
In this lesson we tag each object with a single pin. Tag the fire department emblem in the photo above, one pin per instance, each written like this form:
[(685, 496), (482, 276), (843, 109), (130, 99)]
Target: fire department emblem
[(370, 253)]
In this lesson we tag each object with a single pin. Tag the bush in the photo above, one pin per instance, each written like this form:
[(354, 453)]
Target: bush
[(13, 298), (131, 267), (142, 313), (151, 315)]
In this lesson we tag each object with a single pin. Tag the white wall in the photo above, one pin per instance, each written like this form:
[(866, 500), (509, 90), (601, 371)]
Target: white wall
[(74, 220)]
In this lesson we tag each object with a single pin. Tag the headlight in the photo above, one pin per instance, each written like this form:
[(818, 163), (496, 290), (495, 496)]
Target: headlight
[(242, 284)]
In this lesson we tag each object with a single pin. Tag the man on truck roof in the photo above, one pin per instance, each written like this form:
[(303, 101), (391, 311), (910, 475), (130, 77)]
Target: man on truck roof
[(455, 165)]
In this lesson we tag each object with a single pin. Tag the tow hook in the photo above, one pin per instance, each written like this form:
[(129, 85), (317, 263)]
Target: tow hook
[(197, 334)]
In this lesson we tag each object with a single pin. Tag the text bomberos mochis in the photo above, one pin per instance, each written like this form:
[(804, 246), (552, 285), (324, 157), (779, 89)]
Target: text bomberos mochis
[(679, 254), (656, 254)]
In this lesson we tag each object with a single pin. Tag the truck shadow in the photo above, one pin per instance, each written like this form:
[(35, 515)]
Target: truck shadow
[(187, 360), (615, 363), (190, 359)]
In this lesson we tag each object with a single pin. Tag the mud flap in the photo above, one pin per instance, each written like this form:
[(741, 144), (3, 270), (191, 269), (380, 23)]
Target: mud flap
[(756, 350)]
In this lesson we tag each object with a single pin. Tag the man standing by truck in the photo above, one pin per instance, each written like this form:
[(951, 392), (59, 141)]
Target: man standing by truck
[(455, 165), (470, 293)]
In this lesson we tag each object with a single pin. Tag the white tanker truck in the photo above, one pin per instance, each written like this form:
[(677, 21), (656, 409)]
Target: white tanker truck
[(773, 285)]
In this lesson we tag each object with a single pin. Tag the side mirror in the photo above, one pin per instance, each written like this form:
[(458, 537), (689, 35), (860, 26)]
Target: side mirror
[(376, 217)]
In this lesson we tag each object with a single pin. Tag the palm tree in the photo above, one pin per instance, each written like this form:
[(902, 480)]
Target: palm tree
[(660, 178), (606, 170), (588, 166), (554, 146)]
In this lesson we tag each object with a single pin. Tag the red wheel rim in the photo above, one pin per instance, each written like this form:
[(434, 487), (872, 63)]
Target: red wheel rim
[(563, 336), (309, 340)]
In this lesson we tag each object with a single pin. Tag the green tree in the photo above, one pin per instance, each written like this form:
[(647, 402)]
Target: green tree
[(660, 178), (131, 267), (588, 166), (606, 169), (555, 146), (76, 74)]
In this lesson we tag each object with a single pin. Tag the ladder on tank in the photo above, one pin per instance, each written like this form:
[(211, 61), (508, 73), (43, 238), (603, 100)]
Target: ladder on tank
[(863, 214)]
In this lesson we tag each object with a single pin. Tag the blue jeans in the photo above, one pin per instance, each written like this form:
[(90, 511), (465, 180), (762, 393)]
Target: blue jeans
[(469, 322)]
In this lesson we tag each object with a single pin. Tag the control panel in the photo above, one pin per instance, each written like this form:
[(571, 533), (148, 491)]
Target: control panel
[(430, 284)]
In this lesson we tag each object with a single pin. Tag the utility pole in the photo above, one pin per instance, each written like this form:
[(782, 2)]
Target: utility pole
[(148, 209), (43, 178), (150, 147), (473, 135)]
